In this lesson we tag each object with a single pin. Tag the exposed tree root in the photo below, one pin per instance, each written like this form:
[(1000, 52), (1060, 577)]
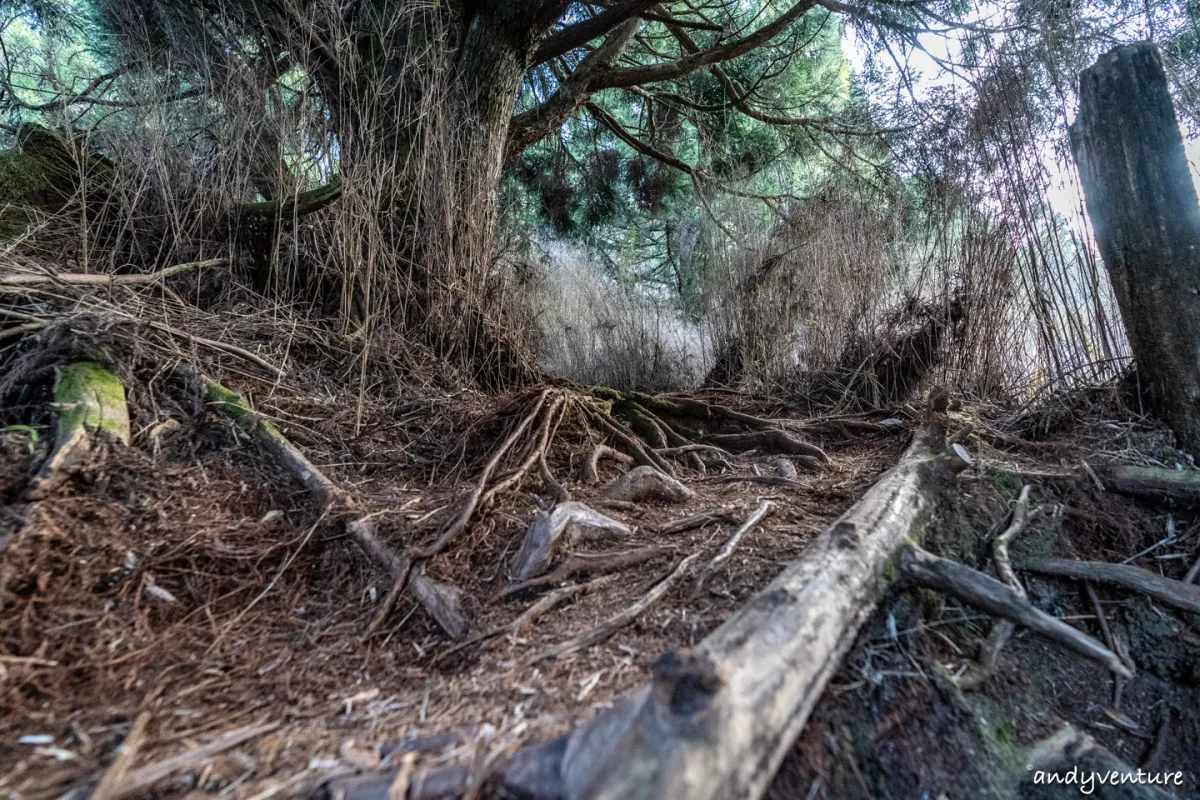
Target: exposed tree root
[(771, 441), (459, 524), (763, 509), (990, 595), (591, 471), (1181, 595), (646, 483), (696, 521), (441, 602), (766, 480), (586, 564), (1002, 629), (575, 520), (615, 623)]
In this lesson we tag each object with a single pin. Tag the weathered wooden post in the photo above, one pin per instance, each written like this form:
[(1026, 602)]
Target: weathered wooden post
[(1143, 207)]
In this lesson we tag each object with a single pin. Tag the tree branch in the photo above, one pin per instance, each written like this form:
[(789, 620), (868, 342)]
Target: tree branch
[(653, 73), (571, 37)]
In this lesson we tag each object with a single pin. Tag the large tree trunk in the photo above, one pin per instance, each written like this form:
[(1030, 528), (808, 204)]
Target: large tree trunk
[(1144, 210)]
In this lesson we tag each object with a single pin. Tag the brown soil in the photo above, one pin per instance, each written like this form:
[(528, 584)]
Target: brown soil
[(188, 578)]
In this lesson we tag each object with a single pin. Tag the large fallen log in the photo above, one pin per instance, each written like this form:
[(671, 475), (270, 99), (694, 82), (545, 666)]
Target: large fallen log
[(1179, 594), (716, 723)]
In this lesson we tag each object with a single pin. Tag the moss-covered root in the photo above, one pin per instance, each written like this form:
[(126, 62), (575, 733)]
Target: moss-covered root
[(441, 602), (90, 402), (232, 404)]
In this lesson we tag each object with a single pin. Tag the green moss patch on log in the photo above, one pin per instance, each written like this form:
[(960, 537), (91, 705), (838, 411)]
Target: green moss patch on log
[(92, 399)]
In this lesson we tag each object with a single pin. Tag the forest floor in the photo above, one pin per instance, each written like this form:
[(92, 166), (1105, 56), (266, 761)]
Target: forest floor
[(186, 586)]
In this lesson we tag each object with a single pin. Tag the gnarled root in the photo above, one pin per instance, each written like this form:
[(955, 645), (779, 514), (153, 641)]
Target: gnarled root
[(576, 520), (644, 483), (591, 472), (772, 441)]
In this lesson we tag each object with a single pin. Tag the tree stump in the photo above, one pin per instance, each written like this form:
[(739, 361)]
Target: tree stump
[(1143, 208)]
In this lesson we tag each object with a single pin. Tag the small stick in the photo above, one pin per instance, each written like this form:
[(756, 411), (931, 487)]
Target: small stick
[(992, 596), (76, 279), (1106, 631), (215, 345), (591, 564), (763, 509), (695, 521), (543, 606), (613, 624), (1174, 593), (1193, 572), (140, 780), (114, 776)]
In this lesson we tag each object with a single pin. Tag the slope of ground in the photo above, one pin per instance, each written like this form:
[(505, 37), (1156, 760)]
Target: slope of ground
[(186, 586)]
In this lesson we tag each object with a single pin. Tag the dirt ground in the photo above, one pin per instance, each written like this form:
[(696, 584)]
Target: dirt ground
[(186, 581)]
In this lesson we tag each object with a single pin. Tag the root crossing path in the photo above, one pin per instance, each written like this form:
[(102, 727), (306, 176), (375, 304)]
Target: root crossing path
[(621, 596)]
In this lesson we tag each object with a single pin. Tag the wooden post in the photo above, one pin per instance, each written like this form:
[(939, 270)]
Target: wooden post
[(1143, 208)]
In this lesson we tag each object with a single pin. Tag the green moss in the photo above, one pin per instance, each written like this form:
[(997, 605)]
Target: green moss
[(605, 393), (92, 398), (225, 400), (889, 571), (234, 405), (1006, 482)]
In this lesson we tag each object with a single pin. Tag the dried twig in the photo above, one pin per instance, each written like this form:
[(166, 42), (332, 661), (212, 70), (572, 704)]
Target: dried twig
[(579, 563), (141, 780), (542, 607), (721, 557), (613, 624), (104, 279), (114, 776)]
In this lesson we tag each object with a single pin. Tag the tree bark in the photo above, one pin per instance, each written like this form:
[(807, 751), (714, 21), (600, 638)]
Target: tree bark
[(1143, 207), (717, 722)]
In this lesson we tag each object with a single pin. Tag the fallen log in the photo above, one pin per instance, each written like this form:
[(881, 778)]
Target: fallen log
[(990, 595), (717, 723), (1181, 595)]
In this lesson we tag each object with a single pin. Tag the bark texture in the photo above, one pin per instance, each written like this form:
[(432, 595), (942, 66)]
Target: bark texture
[(715, 723), (1143, 207)]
